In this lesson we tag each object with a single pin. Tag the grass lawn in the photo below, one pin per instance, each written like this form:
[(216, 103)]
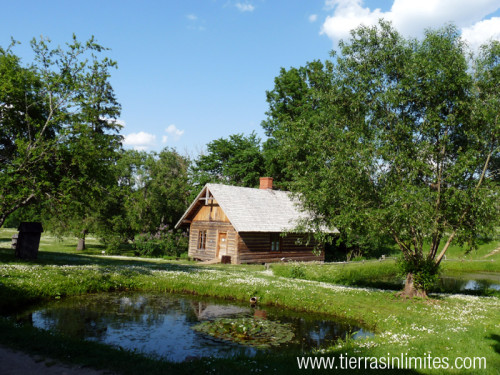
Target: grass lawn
[(448, 326), (382, 274)]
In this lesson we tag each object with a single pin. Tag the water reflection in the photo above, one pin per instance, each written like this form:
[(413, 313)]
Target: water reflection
[(476, 283), (479, 283), (160, 324)]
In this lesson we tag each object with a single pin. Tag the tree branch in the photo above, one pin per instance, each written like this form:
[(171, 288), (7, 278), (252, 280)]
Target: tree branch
[(466, 211), (7, 212)]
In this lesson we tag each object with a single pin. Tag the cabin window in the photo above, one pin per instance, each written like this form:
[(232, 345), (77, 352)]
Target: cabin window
[(202, 239), (275, 242)]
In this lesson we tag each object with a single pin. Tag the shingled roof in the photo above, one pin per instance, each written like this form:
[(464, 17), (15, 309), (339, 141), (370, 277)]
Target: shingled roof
[(254, 210)]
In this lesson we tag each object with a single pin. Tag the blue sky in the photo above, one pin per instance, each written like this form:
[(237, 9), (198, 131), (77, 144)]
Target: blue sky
[(193, 71)]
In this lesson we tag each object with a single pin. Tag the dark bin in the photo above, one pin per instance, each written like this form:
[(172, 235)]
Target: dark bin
[(226, 259), (28, 240)]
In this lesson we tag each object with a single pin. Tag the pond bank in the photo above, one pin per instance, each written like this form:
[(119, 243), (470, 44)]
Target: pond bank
[(450, 326), (19, 363)]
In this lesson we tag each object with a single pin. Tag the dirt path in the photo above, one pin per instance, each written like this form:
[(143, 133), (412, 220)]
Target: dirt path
[(19, 363), (492, 253)]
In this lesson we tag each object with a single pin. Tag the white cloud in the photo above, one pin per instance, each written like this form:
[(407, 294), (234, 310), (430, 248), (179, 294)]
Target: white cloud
[(173, 133), (118, 122), (347, 15), (313, 17), (481, 32), (195, 23), (144, 141), (245, 7), (140, 141), (411, 18)]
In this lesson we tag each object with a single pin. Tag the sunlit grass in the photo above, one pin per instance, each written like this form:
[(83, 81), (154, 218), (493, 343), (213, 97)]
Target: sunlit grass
[(445, 325)]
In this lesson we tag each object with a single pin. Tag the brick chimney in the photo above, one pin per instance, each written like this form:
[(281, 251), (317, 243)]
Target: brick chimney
[(266, 182)]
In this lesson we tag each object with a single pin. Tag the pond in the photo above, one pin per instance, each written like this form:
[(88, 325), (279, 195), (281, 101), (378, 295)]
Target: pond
[(162, 324), (479, 283)]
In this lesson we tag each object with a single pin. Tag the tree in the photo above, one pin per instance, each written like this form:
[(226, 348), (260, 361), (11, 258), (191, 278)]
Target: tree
[(144, 191), (402, 145), (237, 160), (296, 97), (156, 188), (58, 128)]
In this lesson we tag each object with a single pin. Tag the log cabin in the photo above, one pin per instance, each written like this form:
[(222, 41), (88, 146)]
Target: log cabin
[(239, 225)]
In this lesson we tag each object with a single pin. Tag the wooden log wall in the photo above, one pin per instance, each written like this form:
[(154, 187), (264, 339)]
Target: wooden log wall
[(248, 247), (256, 248), (213, 229)]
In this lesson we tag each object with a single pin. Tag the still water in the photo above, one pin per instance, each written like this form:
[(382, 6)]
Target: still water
[(160, 324), (482, 283)]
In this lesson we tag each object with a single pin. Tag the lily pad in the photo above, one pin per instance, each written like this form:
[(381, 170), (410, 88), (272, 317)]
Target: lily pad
[(257, 333)]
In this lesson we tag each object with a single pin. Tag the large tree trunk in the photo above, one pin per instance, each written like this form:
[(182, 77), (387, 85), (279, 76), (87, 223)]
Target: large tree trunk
[(81, 241), (410, 290)]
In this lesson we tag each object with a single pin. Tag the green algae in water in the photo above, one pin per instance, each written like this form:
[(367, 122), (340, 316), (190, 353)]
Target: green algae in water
[(257, 333)]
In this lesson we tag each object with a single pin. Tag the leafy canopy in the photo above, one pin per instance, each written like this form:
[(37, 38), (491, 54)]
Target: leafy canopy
[(400, 139), (237, 160), (58, 128)]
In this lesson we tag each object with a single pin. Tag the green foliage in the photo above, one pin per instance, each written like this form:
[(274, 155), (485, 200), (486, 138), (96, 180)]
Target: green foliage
[(297, 270), (165, 242), (26, 213), (296, 97), (400, 143), (143, 191), (425, 271), (58, 129), (59, 150), (257, 333), (153, 188), (237, 160), (113, 243)]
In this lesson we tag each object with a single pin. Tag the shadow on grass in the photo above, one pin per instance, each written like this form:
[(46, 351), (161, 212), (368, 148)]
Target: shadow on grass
[(14, 299), (62, 258), (496, 345)]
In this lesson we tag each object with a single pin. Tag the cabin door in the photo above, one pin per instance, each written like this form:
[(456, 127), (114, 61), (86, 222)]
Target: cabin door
[(221, 245)]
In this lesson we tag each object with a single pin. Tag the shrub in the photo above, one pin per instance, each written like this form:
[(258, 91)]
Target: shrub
[(165, 242), (113, 244), (297, 271), (425, 271)]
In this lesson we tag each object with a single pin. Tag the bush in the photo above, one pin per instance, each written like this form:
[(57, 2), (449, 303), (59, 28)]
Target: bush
[(297, 271), (425, 271), (113, 244), (165, 242)]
